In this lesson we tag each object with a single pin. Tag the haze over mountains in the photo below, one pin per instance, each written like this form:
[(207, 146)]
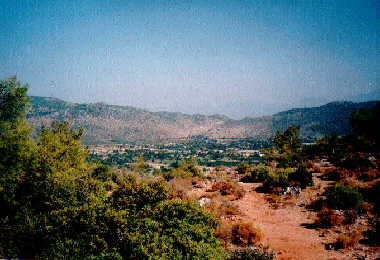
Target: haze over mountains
[(104, 123)]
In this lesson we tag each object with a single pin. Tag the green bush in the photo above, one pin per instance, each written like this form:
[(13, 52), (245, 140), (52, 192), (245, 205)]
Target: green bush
[(343, 197), (187, 169), (242, 168), (251, 253), (279, 179), (301, 177), (174, 230), (260, 173), (355, 162)]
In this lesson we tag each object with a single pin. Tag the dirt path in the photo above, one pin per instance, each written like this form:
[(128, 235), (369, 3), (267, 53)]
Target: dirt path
[(282, 228)]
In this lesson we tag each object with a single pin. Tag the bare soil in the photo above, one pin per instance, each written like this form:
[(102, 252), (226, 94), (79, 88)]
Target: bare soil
[(287, 224)]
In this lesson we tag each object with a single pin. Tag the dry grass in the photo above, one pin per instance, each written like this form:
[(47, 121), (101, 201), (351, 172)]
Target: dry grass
[(336, 174), (348, 240), (224, 232), (327, 218), (220, 206), (180, 188), (245, 234), (370, 175), (317, 169), (229, 188)]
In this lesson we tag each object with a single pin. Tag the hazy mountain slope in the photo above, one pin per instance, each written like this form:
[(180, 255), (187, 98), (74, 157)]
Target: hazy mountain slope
[(315, 122), (104, 123)]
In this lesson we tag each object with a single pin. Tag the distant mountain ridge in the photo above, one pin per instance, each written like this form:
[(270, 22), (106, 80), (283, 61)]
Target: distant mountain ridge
[(104, 123)]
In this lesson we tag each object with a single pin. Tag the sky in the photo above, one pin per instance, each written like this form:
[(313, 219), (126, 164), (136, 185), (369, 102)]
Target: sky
[(238, 58)]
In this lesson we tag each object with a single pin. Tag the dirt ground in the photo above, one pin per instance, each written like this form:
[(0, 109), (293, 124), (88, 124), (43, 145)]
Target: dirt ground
[(284, 221)]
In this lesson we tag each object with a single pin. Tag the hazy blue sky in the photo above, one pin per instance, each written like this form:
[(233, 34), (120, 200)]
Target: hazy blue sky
[(234, 57)]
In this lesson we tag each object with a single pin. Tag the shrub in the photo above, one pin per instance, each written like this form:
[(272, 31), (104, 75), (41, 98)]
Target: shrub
[(277, 179), (369, 175), (371, 194), (251, 253), (133, 195), (356, 162), (187, 169), (348, 240), (336, 174), (242, 168), (173, 230), (327, 218), (245, 234), (301, 177), (373, 234), (343, 197), (229, 188), (221, 207), (180, 187), (350, 216), (260, 173)]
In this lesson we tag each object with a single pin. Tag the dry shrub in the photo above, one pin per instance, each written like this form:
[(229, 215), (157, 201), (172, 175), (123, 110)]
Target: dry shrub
[(364, 208), (325, 164), (327, 218), (198, 182), (317, 169), (229, 188), (224, 232), (336, 174), (349, 240), (220, 168), (221, 207), (217, 175), (245, 234), (369, 175), (350, 216), (274, 200), (180, 187), (309, 164)]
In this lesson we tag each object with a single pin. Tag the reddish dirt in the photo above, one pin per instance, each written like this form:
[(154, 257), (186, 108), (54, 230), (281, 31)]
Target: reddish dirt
[(282, 228), (284, 220)]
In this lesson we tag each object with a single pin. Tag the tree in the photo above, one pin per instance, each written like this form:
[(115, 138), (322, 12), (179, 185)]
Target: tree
[(366, 124), (287, 150), (55, 204), (289, 140), (13, 102)]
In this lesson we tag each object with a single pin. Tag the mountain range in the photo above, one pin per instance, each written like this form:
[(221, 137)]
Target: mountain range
[(103, 123)]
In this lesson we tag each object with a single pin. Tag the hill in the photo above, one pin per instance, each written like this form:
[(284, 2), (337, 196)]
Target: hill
[(104, 123)]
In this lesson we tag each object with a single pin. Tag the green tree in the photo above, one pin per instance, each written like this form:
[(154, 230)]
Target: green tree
[(55, 204), (287, 149), (13, 102), (366, 124), (288, 140)]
